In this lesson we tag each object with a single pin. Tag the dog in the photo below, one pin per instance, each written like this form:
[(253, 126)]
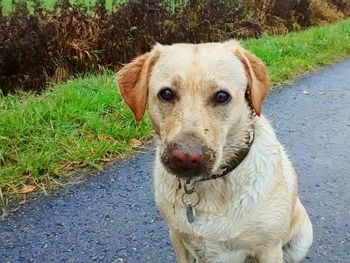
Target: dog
[(223, 182)]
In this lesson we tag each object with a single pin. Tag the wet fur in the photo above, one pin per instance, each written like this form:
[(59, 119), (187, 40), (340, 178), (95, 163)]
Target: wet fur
[(253, 214)]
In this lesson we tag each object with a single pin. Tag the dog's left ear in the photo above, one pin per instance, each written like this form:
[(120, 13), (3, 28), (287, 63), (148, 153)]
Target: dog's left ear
[(258, 82), (133, 80)]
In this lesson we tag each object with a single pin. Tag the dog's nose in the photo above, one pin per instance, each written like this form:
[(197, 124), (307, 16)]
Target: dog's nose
[(190, 157)]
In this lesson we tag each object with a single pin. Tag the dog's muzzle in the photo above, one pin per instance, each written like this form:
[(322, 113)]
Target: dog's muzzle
[(188, 157)]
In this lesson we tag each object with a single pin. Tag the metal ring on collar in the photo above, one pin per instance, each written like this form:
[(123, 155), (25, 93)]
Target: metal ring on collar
[(191, 190), (192, 204)]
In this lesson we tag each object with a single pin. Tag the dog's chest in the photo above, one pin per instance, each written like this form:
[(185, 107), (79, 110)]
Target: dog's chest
[(213, 237)]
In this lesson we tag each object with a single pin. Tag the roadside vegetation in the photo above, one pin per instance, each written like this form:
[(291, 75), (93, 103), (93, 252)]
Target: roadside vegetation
[(293, 54), (82, 124), (10, 5), (75, 126), (45, 41)]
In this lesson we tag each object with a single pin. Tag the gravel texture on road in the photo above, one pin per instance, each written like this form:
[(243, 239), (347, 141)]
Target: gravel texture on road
[(111, 215)]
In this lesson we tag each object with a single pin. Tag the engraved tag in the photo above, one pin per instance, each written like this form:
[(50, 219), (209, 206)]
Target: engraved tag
[(190, 213)]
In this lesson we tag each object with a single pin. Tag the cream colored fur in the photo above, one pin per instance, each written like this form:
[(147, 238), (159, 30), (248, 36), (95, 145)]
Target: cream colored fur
[(254, 212)]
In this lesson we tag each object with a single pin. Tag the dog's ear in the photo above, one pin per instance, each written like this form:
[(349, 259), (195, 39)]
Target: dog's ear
[(133, 80), (258, 82)]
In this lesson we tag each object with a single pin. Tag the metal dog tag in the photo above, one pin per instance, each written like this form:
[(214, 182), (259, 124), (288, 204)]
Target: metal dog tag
[(190, 213)]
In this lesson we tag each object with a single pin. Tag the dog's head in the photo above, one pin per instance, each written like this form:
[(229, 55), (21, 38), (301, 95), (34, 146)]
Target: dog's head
[(201, 101)]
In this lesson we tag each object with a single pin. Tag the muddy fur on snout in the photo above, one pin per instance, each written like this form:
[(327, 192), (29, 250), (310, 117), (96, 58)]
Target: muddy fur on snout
[(186, 144)]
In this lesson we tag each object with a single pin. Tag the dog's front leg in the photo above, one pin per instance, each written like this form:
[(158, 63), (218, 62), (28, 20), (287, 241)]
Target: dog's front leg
[(182, 254), (271, 254)]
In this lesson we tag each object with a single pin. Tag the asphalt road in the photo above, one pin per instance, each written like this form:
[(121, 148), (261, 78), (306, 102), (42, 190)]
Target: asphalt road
[(111, 217)]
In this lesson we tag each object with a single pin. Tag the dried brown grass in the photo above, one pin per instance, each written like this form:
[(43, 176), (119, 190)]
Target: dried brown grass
[(322, 12), (51, 45)]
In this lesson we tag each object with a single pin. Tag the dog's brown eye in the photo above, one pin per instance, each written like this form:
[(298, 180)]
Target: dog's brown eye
[(166, 94), (221, 97)]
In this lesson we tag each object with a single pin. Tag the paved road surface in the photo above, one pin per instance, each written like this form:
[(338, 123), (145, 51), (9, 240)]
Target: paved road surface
[(112, 215)]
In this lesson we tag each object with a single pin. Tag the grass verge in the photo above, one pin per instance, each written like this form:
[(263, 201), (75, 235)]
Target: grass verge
[(76, 125), (290, 55), (83, 123)]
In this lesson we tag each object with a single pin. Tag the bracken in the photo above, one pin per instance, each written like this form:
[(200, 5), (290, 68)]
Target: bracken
[(38, 46)]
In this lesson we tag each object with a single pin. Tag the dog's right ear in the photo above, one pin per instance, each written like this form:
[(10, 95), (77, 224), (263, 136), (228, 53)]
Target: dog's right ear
[(133, 80)]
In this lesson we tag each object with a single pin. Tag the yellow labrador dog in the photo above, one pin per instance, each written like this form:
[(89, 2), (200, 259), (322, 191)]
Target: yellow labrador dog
[(223, 182)]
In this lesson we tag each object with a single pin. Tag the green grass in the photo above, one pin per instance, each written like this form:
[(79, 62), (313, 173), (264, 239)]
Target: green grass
[(83, 123), (290, 55), (79, 124)]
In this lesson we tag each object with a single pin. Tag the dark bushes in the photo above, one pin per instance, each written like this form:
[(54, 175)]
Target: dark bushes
[(132, 29), (23, 61), (42, 45)]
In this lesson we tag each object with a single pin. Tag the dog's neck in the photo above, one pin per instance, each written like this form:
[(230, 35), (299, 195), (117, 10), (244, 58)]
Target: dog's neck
[(218, 181)]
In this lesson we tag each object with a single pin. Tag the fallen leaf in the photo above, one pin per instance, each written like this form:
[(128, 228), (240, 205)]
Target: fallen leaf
[(27, 189), (135, 142), (26, 173)]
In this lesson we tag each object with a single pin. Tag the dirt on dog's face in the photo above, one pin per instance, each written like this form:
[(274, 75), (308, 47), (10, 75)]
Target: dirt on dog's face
[(196, 102), (196, 96)]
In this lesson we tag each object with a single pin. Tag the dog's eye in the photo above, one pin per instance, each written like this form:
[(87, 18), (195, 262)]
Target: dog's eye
[(166, 94), (221, 97)]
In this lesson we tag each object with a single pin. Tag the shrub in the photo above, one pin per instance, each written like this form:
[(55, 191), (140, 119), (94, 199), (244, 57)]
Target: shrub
[(40, 45), (22, 51), (322, 11), (342, 6), (224, 20), (132, 30)]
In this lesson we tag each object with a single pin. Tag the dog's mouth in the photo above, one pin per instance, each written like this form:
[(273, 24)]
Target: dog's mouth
[(183, 172), (196, 161)]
